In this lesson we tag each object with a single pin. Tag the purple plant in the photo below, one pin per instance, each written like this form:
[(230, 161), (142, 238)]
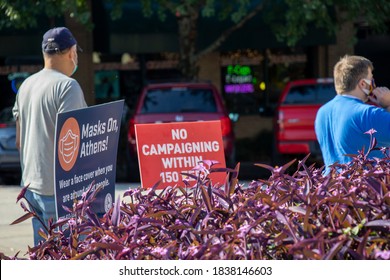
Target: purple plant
[(304, 215)]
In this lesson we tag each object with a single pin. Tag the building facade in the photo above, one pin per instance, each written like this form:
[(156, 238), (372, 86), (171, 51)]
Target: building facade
[(250, 68)]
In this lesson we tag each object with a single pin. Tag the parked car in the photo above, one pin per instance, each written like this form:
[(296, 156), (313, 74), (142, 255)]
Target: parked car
[(295, 114), (181, 102), (9, 154)]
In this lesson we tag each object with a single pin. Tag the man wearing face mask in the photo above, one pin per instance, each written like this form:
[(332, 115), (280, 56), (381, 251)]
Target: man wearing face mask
[(40, 97), (342, 123)]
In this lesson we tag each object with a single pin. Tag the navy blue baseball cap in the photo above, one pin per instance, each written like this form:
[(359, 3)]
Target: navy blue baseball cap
[(57, 40)]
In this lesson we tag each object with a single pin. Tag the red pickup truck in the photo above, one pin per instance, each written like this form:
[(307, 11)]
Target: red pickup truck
[(295, 114), (180, 102)]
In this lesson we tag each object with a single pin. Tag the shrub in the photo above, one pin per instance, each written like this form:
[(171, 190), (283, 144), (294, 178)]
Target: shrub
[(299, 215)]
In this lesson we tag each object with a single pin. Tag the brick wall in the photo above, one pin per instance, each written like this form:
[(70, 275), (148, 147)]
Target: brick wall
[(210, 69)]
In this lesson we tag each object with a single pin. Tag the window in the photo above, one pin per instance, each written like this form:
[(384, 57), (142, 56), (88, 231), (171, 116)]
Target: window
[(179, 100), (310, 94), (6, 115)]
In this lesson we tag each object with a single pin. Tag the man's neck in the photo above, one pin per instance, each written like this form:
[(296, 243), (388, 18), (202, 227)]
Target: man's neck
[(357, 94), (55, 64)]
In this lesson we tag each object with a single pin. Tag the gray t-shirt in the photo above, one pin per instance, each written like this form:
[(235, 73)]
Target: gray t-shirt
[(40, 98)]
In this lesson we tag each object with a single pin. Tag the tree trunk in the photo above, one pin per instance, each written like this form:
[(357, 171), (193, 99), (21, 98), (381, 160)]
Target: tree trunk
[(85, 73), (188, 33)]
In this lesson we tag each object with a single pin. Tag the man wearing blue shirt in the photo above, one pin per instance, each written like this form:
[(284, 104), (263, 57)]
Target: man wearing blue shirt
[(342, 124)]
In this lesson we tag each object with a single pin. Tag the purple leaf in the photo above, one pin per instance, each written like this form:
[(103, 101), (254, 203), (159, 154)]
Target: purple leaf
[(374, 184), (206, 199), (61, 222), (220, 169), (300, 214), (24, 207), (281, 218), (334, 250), (266, 166), (22, 193), (370, 132), (385, 224), (116, 213), (23, 218), (210, 163), (297, 209)]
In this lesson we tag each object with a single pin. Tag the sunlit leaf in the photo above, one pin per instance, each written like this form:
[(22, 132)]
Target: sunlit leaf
[(23, 218)]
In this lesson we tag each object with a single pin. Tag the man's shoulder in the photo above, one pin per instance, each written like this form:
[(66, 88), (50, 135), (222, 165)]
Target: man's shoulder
[(48, 74), (329, 104), (59, 78)]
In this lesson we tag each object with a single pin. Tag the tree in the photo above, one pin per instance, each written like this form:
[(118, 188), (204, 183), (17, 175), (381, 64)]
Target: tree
[(20, 14), (289, 19)]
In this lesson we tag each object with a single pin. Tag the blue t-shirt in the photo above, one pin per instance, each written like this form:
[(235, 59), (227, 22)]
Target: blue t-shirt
[(341, 124)]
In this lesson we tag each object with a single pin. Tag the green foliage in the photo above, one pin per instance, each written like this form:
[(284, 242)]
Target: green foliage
[(289, 19), (22, 14), (223, 9), (16, 14), (298, 16), (116, 11), (329, 14), (208, 10)]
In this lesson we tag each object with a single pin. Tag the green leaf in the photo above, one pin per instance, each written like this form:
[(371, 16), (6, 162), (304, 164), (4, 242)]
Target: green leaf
[(355, 230)]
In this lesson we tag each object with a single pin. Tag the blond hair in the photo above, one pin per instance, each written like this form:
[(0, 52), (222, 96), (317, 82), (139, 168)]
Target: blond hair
[(348, 71)]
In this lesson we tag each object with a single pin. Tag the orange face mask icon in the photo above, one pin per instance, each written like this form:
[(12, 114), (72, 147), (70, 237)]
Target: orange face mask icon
[(68, 144)]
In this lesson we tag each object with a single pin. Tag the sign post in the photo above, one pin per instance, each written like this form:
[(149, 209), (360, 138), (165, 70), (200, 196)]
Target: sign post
[(86, 147), (166, 150)]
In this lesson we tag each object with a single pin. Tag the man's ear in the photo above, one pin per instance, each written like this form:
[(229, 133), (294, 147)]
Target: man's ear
[(361, 83), (72, 51)]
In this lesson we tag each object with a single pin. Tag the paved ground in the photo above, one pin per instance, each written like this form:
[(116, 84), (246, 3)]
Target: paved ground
[(14, 238)]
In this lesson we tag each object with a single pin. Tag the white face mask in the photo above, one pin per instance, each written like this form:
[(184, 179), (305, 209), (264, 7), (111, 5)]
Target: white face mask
[(74, 63), (366, 91), (75, 67), (369, 83)]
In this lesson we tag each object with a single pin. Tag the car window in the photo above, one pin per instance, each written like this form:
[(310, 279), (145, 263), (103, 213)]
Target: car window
[(179, 100), (310, 94), (6, 115)]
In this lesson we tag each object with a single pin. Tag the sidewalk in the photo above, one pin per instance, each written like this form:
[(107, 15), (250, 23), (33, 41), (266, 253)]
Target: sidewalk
[(14, 238)]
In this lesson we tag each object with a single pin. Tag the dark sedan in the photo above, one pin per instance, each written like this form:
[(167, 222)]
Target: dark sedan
[(9, 154)]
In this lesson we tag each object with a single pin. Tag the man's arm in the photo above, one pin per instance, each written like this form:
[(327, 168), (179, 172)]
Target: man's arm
[(17, 134), (382, 97)]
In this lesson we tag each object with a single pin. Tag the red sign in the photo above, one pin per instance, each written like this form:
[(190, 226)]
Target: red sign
[(166, 150)]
